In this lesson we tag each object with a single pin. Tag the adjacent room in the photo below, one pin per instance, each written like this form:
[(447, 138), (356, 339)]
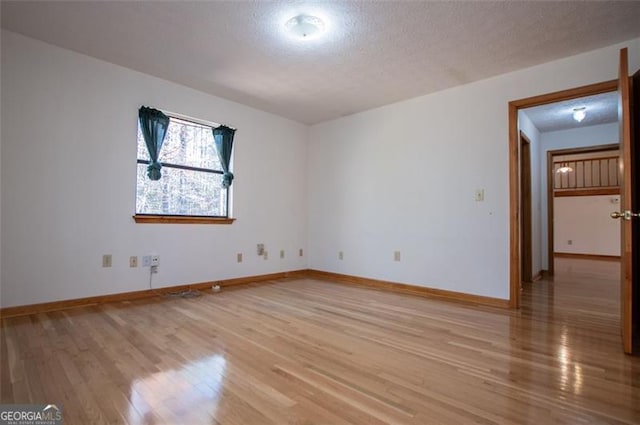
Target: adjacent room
[(319, 212)]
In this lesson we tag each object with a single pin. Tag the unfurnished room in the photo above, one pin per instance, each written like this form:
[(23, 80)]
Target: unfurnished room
[(319, 212)]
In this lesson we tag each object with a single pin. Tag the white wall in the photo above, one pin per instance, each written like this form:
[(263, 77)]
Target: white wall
[(585, 221), (531, 131), (69, 176), (603, 134), (376, 180), (366, 184), (1, 189)]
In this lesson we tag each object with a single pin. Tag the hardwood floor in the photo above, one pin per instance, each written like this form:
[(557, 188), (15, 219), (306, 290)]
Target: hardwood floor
[(312, 352)]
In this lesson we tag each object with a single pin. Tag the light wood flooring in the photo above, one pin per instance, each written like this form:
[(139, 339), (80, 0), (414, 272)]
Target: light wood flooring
[(312, 352)]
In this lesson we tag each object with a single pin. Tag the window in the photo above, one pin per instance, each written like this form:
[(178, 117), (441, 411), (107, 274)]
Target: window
[(192, 175)]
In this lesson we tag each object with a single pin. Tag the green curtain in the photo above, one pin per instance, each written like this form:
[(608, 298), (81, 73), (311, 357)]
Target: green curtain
[(153, 124), (223, 139)]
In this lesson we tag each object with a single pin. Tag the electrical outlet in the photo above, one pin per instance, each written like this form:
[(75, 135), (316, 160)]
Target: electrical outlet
[(569, 242), (282, 253), (146, 261), (133, 261), (396, 256), (239, 257), (106, 260), (340, 255), (260, 249), (154, 269), (300, 252), (155, 260), (266, 255)]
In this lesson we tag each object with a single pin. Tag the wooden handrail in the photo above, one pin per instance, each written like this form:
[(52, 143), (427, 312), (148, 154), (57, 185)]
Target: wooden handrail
[(589, 173)]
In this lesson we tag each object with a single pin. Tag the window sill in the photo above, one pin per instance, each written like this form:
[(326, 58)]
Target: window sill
[(170, 219)]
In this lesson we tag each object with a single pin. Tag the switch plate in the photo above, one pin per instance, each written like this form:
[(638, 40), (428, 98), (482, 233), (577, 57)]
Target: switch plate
[(239, 257), (570, 242), (479, 195), (301, 252), (340, 255), (260, 249), (282, 253), (266, 255), (133, 261), (396, 256), (106, 260), (146, 261)]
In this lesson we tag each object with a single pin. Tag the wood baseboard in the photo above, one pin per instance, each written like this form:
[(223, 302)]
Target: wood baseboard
[(409, 289), (542, 274), (261, 278), (24, 310), (586, 256)]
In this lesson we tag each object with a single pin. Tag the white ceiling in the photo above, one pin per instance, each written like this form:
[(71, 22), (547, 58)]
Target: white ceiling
[(600, 109), (374, 53)]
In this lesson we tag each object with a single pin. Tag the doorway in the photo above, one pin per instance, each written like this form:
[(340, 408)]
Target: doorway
[(588, 180), (516, 222)]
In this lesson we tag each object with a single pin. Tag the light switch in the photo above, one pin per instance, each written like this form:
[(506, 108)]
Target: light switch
[(479, 195)]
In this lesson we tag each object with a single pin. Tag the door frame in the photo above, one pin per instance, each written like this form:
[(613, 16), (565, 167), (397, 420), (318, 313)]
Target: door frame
[(525, 209), (515, 217), (550, 197)]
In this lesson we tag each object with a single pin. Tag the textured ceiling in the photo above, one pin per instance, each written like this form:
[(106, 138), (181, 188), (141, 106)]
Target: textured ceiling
[(600, 109), (374, 53)]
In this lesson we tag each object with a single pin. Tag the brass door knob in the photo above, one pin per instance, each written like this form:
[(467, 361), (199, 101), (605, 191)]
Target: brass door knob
[(627, 215)]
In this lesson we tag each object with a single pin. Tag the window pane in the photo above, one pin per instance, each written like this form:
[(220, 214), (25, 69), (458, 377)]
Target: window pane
[(181, 192), (143, 153), (186, 144)]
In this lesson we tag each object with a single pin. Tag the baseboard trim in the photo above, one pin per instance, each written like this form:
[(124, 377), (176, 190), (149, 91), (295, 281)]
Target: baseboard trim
[(260, 278), (586, 256), (542, 274), (25, 310), (409, 289)]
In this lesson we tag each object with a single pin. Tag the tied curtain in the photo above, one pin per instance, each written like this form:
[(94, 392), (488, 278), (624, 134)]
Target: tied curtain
[(153, 124), (223, 139)]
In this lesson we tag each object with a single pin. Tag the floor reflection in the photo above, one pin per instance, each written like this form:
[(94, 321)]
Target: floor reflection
[(189, 393), (570, 372), (570, 323)]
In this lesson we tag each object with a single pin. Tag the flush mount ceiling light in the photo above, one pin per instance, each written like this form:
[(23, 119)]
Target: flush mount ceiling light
[(579, 113), (305, 27)]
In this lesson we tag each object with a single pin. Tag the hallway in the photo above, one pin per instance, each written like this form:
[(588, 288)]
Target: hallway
[(584, 295)]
